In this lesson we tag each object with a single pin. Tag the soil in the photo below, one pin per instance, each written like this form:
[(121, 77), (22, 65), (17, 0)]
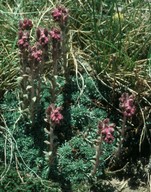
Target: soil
[(124, 186), (133, 177)]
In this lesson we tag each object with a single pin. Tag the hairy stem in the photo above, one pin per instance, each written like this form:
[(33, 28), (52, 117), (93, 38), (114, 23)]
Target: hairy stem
[(122, 136), (98, 154)]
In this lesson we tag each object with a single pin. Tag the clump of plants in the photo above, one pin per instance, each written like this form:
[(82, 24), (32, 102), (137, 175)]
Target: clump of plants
[(72, 116), (18, 181), (59, 123)]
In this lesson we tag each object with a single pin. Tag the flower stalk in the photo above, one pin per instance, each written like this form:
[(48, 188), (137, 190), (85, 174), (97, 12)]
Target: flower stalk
[(23, 44), (54, 115), (32, 61), (105, 131), (128, 110), (60, 15)]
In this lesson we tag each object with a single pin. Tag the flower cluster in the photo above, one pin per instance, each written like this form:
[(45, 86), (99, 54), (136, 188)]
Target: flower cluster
[(42, 36), (26, 24), (55, 34), (60, 15), (127, 104), (54, 114), (23, 35), (106, 130), (36, 54), (23, 41)]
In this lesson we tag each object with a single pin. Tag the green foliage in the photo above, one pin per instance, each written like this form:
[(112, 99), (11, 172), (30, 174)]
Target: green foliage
[(74, 159), (28, 144), (81, 187), (75, 155), (105, 28), (18, 141), (8, 56), (19, 182), (79, 116), (80, 110)]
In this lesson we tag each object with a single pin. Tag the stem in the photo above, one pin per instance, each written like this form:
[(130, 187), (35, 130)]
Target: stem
[(32, 95), (23, 63), (39, 79), (64, 53), (55, 55), (122, 136), (98, 153), (51, 146), (54, 73)]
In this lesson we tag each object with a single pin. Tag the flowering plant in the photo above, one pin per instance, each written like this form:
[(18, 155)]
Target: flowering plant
[(127, 105), (107, 130), (42, 37), (128, 110), (60, 15), (26, 24), (53, 114)]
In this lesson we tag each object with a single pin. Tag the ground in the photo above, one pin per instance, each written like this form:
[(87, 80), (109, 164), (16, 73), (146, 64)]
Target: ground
[(123, 186)]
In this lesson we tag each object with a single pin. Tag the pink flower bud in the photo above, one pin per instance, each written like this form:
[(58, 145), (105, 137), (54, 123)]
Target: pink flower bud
[(127, 105), (107, 130), (23, 42), (53, 114), (42, 36), (36, 54), (60, 14), (56, 116), (55, 34), (26, 24)]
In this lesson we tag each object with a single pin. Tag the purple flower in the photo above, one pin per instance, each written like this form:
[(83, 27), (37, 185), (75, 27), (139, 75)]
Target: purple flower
[(23, 41), (57, 14), (54, 114), (26, 24), (36, 54), (107, 130), (42, 36), (127, 105), (60, 14), (55, 34)]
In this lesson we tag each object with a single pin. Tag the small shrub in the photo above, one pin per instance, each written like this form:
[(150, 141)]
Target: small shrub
[(74, 159)]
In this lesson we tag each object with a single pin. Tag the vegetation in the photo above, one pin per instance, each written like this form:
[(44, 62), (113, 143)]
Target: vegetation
[(75, 93)]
